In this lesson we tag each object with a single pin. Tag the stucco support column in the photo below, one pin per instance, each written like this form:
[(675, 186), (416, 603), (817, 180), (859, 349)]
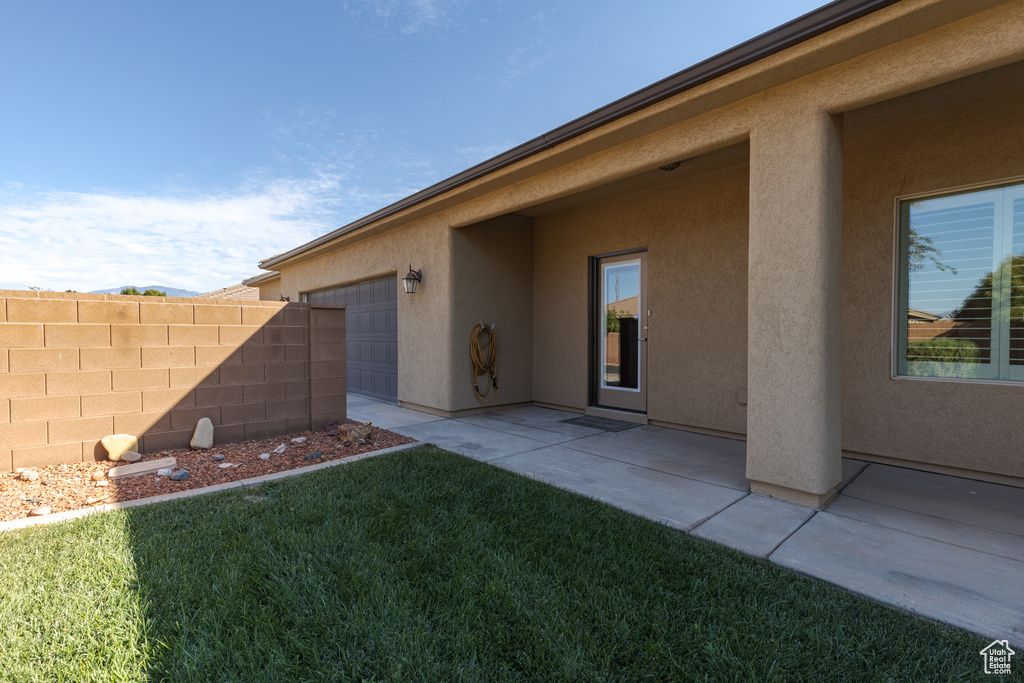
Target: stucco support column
[(793, 411)]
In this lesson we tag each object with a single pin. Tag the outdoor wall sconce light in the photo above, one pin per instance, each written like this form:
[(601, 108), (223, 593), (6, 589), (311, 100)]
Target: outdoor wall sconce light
[(411, 280)]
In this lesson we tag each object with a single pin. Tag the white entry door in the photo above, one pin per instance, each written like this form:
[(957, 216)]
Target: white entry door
[(621, 334)]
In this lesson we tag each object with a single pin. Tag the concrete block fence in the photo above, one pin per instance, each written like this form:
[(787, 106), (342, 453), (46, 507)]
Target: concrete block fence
[(77, 367)]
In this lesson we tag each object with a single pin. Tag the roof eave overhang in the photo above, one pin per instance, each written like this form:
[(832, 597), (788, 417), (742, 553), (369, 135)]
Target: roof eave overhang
[(262, 278)]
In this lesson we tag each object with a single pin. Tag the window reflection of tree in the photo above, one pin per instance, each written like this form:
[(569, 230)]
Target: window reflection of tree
[(974, 315), (947, 345), (922, 250)]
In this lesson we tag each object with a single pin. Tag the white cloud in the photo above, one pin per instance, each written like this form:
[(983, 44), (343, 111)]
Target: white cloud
[(199, 241), (412, 16), (523, 61)]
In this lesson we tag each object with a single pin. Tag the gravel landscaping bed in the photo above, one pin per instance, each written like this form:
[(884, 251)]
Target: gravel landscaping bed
[(71, 486)]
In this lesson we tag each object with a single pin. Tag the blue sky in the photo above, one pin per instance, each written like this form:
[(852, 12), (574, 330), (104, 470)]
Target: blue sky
[(179, 142)]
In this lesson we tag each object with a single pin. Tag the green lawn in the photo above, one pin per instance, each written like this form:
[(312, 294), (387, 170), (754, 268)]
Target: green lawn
[(424, 565)]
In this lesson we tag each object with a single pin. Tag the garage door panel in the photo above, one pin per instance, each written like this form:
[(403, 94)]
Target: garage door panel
[(380, 353), (366, 294), (380, 292), (372, 334)]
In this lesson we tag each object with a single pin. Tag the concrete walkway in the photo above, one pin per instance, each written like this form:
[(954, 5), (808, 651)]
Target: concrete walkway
[(947, 548)]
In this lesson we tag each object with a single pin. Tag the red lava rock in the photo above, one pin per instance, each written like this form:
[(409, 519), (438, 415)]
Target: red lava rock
[(74, 488)]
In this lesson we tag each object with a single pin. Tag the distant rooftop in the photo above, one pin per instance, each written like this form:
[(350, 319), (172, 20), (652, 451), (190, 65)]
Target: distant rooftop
[(238, 291)]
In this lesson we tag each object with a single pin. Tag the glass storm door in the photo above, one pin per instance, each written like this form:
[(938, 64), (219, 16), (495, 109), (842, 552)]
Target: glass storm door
[(621, 334)]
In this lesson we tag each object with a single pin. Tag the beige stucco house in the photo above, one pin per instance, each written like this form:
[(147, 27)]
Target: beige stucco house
[(780, 210)]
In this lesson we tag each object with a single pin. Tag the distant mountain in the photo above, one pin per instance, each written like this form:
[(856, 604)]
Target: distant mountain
[(171, 291)]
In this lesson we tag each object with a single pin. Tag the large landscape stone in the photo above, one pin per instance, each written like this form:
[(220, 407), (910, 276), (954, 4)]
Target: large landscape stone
[(138, 468), (203, 436), (117, 445)]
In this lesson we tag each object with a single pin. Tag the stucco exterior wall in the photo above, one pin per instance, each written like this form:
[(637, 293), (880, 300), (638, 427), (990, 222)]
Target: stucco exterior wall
[(493, 283), (270, 290), (425, 358), (695, 230), (958, 424)]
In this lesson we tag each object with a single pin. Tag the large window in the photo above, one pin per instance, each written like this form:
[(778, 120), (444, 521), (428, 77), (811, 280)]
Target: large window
[(961, 290)]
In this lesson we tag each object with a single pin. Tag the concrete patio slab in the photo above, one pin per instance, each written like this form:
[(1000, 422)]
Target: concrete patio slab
[(678, 466), (851, 470), (533, 414), (1010, 546), (370, 407), (391, 417), (527, 430), (755, 525), (676, 501), (973, 590), (690, 446), (980, 504), (357, 400), (545, 418), (469, 440)]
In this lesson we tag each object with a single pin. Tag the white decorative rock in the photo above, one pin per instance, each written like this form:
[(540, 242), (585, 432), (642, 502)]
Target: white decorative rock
[(119, 444), (99, 475), (203, 436), (131, 456), (281, 449), (29, 475), (38, 512), (102, 482), (164, 472), (264, 456), (299, 439)]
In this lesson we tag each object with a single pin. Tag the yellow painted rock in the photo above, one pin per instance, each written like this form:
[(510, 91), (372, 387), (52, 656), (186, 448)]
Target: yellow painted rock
[(119, 444)]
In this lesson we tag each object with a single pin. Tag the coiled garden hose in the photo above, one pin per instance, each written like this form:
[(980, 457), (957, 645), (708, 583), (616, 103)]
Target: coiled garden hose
[(484, 363)]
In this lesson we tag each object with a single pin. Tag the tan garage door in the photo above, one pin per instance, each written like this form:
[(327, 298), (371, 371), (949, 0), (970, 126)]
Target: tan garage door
[(371, 330)]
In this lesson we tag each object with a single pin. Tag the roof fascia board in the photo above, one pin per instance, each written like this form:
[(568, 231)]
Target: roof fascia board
[(801, 29), (261, 278)]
